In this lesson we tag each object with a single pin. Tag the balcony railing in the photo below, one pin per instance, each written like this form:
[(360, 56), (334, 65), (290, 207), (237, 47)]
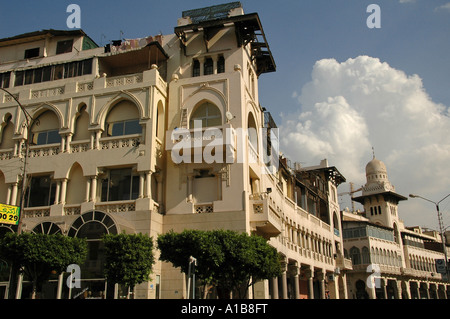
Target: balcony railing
[(116, 207), (31, 212), (191, 139), (204, 208), (344, 263), (264, 217)]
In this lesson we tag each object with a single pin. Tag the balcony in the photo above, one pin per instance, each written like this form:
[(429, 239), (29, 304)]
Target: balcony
[(197, 145), (343, 263), (264, 218)]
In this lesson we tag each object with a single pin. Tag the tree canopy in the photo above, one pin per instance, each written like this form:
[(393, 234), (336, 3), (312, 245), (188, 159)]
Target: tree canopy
[(129, 258), (226, 259), (40, 254)]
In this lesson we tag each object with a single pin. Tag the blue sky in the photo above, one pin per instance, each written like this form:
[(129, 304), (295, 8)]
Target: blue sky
[(411, 52)]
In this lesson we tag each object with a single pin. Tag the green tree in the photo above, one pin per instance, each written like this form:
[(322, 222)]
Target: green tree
[(178, 247), (128, 259), (226, 259), (37, 255)]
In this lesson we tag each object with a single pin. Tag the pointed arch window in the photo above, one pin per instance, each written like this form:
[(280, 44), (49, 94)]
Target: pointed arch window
[(46, 129), (355, 255), (123, 119), (365, 255), (208, 113)]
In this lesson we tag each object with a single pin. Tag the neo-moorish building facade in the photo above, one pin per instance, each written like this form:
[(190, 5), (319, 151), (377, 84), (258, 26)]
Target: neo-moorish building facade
[(114, 145), (390, 260)]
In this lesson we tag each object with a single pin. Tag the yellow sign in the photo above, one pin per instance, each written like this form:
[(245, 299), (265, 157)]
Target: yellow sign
[(9, 214)]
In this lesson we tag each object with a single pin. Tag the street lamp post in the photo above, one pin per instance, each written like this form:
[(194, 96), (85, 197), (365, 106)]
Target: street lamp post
[(29, 122), (441, 229)]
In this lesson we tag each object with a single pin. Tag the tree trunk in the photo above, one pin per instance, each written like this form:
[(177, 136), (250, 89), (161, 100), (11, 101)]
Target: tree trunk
[(33, 293), (223, 292)]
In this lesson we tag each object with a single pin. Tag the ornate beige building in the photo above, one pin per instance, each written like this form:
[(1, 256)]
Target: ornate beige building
[(156, 134), (390, 260)]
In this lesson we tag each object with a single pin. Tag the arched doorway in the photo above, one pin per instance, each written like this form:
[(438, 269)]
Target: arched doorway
[(361, 292), (92, 226)]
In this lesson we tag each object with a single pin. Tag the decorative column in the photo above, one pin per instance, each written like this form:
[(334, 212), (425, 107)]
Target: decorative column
[(92, 141), (88, 189), (322, 284), (148, 187), (94, 188), (201, 61), (417, 290), (63, 144), (13, 200), (141, 185), (57, 192), (427, 285), (98, 135), (383, 283), (399, 289), (407, 289), (310, 275), (372, 294), (275, 288), (8, 195), (68, 142), (63, 191), (284, 281), (190, 187), (295, 271), (215, 58)]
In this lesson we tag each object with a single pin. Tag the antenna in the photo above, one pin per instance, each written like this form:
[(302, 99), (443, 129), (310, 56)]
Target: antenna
[(373, 152)]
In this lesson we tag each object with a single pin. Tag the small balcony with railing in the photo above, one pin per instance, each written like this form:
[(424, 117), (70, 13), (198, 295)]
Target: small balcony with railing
[(210, 144), (264, 216)]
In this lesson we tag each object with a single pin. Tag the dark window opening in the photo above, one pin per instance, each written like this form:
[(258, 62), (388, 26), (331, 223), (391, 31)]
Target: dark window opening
[(64, 46), (221, 65), (31, 53), (196, 68), (124, 128), (40, 192), (208, 66), (4, 80), (120, 184)]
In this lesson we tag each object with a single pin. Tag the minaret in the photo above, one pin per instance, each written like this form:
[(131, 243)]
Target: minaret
[(378, 195)]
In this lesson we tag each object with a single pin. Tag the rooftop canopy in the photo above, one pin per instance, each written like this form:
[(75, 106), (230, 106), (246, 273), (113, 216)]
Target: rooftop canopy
[(247, 26)]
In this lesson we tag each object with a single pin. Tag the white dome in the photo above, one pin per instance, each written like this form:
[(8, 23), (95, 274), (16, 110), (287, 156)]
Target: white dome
[(376, 167)]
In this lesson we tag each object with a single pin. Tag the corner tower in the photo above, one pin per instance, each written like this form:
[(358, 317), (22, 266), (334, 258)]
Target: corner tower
[(378, 195)]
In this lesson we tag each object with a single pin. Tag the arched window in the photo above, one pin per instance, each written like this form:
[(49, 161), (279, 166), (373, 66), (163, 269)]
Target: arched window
[(336, 224), (208, 66), (160, 121), (365, 255), (123, 119), (45, 129), (252, 132), (196, 68), (6, 133), (76, 182), (221, 64), (355, 255), (208, 113), (47, 228), (40, 192), (81, 131), (92, 226)]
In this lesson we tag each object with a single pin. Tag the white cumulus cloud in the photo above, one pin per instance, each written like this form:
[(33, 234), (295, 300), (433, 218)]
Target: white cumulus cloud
[(349, 107)]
